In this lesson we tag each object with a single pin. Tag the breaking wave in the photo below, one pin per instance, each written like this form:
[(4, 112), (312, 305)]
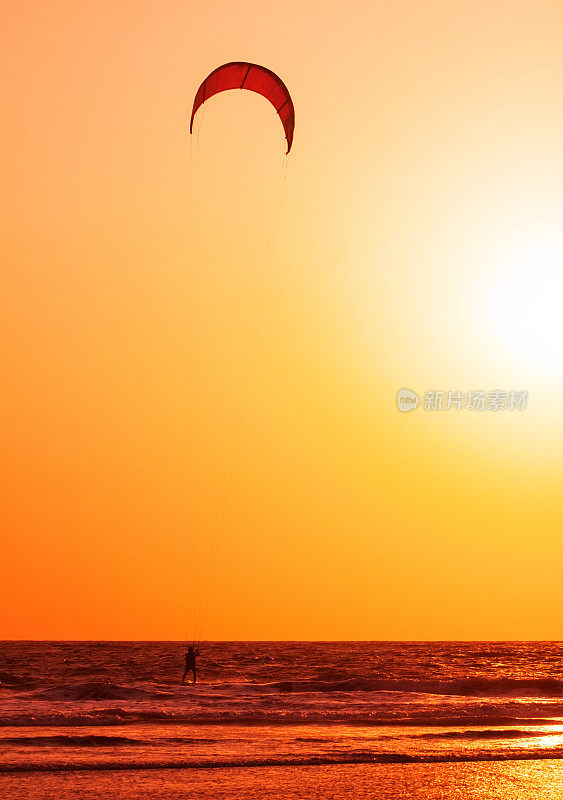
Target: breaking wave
[(307, 716), (465, 687), (89, 740), (357, 757), (98, 691), (10, 681), (98, 740)]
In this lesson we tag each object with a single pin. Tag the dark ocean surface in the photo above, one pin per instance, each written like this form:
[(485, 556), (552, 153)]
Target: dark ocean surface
[(106, 708)]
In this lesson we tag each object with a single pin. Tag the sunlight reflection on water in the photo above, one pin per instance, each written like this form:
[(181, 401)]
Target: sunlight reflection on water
[(515, 780)]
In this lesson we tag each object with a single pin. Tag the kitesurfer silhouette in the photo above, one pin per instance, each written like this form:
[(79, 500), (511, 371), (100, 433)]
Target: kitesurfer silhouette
[(190, 663)]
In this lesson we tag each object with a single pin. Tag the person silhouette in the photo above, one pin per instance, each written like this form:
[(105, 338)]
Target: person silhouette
[(190, 663)]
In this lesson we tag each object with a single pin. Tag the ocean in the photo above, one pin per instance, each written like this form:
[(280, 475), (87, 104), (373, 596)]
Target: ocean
[(282, 719)]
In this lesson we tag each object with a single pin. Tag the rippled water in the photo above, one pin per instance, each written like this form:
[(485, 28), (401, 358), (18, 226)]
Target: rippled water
[(98, 708)]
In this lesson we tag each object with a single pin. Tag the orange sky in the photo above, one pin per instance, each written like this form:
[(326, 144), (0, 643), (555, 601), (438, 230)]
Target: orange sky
[(419, 244)]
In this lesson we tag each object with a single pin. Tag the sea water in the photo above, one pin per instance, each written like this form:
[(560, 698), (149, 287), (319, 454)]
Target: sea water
[(383, 718)]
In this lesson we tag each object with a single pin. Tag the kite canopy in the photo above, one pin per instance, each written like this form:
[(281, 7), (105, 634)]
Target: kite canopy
[(244, 75)]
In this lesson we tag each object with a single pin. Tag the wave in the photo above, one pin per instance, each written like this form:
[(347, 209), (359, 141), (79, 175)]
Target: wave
[(358, 757), (88, 740), (513, 733), (10, 681), (99, 740), (256, 717), (98, 691), (464, 687), (329, 682)]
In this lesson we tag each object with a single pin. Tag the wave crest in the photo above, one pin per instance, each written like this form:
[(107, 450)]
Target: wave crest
[(465, 687), (98, 691)]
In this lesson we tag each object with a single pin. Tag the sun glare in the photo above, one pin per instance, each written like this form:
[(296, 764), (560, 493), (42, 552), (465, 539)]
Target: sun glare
[(526, 305)]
